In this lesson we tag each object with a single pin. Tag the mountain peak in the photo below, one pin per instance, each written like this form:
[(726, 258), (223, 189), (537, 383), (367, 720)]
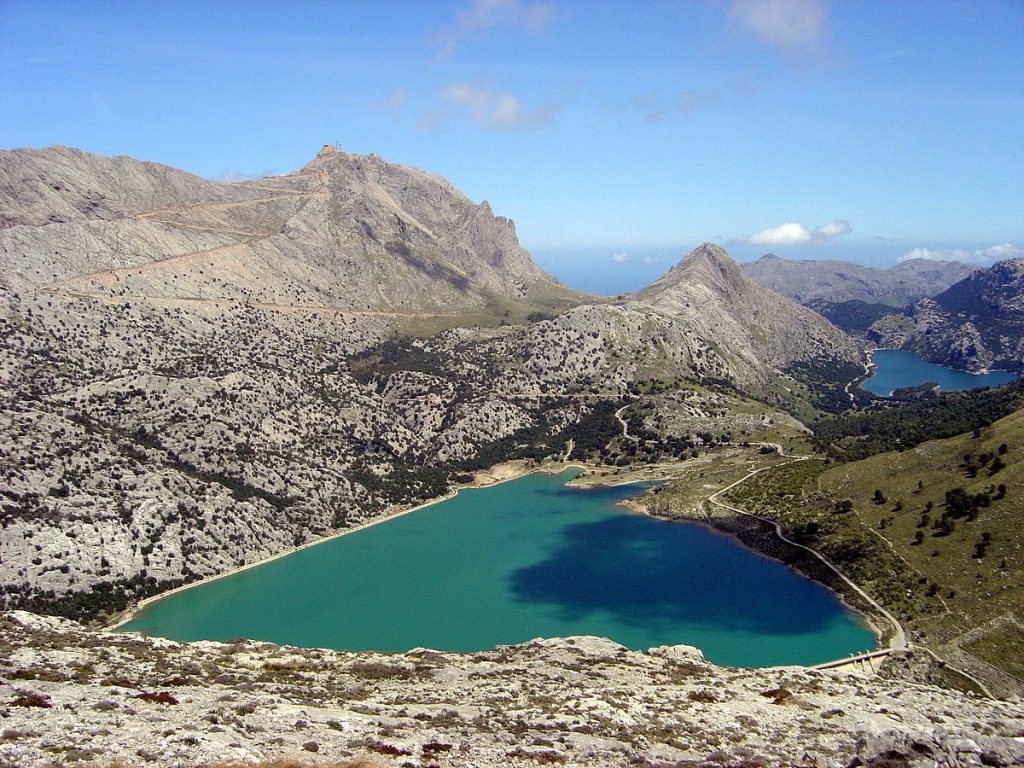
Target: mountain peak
[(708, 252), (707, 265)]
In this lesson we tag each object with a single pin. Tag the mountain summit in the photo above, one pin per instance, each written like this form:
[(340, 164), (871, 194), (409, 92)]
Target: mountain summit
[(707, 264), (710, 293), (344, 232)]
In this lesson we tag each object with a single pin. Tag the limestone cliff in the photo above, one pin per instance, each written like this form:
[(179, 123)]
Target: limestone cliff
[(346, 231), (975, 325)]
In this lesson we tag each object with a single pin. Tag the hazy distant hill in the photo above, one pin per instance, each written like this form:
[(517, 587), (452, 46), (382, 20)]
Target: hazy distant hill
[(838, 281), (853, 316), (977, 324)]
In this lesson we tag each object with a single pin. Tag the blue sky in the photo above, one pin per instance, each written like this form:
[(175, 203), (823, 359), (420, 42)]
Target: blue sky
[(618, 135)]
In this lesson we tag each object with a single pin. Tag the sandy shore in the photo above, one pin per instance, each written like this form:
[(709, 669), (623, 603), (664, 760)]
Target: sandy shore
[(499, 473), (505, 472)]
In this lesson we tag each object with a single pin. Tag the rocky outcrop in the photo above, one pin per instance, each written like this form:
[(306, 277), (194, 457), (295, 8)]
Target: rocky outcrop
[(754, 334), (833, 281), (578, 701), (346, 232), (63, 184), (976, 325)]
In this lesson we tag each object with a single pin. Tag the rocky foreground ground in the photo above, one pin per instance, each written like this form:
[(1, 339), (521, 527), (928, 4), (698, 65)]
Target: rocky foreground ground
[(69, 695)]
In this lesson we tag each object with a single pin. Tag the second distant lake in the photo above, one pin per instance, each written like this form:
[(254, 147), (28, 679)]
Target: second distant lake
[(523, 559), (895, 368)]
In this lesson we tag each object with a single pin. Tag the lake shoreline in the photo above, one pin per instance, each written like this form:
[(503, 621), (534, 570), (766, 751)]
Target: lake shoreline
[(766, 543), (768, 546), (947, 378), (495, 475)]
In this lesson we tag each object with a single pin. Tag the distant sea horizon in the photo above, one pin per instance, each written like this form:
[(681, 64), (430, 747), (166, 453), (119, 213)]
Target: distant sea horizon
[(608, 270)]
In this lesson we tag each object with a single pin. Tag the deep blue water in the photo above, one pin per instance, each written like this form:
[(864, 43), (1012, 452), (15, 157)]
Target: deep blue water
[(895, 368), (523, 559)]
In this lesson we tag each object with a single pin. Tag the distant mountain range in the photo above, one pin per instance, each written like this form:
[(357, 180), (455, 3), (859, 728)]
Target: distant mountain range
[(839, 281)]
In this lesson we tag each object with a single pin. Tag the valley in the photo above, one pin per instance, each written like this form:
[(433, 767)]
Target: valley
[(199, 376)]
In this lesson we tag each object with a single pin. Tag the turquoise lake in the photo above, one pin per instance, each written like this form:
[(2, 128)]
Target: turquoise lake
[(896, 368), (523, 559)]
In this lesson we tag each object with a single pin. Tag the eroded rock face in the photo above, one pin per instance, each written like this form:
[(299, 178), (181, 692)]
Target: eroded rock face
[(581, 701), (346, 231), (755, 331), (975, 325)]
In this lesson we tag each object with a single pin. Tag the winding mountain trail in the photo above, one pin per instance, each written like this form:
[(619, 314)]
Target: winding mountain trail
[(898, 640), (625, 424), (868, 365)]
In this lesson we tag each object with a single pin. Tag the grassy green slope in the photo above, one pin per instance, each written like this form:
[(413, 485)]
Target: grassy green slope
[(980, 584)]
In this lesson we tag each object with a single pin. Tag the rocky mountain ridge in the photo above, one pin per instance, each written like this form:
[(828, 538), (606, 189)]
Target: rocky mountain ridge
[(344, 232), (721, 302), (834, 281), (583, 701), (200, 385), (975, 325)]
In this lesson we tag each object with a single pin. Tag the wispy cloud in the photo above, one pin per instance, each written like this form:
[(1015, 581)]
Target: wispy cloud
[(977, 256), (483, 15), (625, 258), (654, 108), (393, 103), (793, 233), (495, 109), (433, 120), (796, 27), (832, 229)]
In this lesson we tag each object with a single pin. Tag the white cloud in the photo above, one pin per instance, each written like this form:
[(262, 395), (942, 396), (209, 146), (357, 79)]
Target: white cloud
[(977, 256), (784, 234), (654, 109), (394, 102), (833, 229), (498, 110), (625, 258), (792, 233), (433, 121), (794, 26), (482, 15)]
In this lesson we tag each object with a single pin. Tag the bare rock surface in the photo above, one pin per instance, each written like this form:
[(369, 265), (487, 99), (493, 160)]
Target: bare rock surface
[(346, 231), (67, 694), (975, 325)]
